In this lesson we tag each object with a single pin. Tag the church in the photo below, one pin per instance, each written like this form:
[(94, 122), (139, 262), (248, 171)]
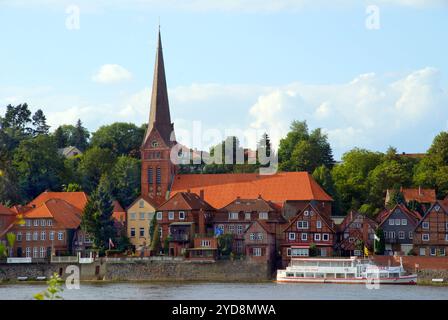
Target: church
[(288, 192)]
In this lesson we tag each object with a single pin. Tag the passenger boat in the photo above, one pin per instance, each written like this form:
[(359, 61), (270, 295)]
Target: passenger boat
[(343, 270)]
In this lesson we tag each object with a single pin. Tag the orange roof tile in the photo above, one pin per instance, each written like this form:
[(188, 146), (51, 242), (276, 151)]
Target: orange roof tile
[(421, 195), (67, 215), (76, 199), (185, 201), (221, 189), (5, 211)]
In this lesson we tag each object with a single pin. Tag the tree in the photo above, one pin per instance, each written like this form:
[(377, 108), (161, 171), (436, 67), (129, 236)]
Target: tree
[(15, 126), (379, 245), (225, 242), (323, 177), (97, 219), (60, 137), (123, 139), (40, 123), (38, 165), (93, 164), (396, 197), (80, 137), (155, 240), (152, 227), (302, 151), (73, 187), (126, 179)]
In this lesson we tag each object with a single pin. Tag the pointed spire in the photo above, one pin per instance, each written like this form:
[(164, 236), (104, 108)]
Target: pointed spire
[(159, 117)]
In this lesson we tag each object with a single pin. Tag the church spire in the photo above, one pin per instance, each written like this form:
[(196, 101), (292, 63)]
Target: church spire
[(159, 117)]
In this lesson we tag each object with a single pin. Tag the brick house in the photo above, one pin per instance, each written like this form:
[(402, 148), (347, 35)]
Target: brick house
[(260, 241), (182, 218), (398, 225), (236, 217), (431, 233), (309, 227), (355, 232), (204, 248)]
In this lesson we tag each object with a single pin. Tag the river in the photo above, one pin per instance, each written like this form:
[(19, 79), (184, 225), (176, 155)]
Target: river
[(228, 291)]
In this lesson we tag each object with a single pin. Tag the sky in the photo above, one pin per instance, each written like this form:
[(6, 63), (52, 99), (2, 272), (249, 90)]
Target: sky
[(371, 74)]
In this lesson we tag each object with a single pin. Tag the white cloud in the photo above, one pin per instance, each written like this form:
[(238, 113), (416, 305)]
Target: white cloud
[(111, 73)]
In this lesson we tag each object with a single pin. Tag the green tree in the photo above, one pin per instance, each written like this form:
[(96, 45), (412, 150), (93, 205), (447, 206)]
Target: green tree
[(80, 137), (155, 240), (323, 177), (126, 179), (40, 123), (304, 151), (225, 242), (93, 164), (72, 187), (379, 244), (38, 165), (97, 219), (61, 137), (53, 290), (123, 139)]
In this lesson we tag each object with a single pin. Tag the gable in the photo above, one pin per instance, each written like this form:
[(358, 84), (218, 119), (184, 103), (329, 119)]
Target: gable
[(136, 205), (435, 209), (154, 135)]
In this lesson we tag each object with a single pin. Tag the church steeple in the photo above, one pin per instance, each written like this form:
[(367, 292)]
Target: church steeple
[(159, 117)]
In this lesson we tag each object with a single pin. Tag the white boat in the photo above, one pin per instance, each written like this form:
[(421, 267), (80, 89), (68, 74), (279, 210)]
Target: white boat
[(343, 270)]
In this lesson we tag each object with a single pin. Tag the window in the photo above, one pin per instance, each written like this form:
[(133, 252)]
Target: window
[(221, 227), (142, 216), (392, 235), (302, 224), (433, 251), (158, 176), (142, 232), (351, 239), (154, 144), (231, 228), (233, 215), (205, 243), (42, 252), (306, 213), (397, 222), (325, 237), (441, 251), (357, 253), (28, 252), (304, 236), (141, 204), (422, 252), (51, 236), (43, 236), (259, 236), (239, 229), (404, 222), (60, 235), (35, 252), (19, 236), (292, 236), (171, 215), (132, 232), (150, 177), (252, 236), (36, 223), (296, 252), (319, 224), (263, 216), (411, 235), (317, 237), (35, 236), (247, 215), (159, 215), (288, 252), (28, 223), (43, 222), (133, 215), (28, 236), (400, 234), (257, 252), (385, 234), (391, 222), (425, 225), (425, 236), (49, 223), (181, 215), (446, 226)]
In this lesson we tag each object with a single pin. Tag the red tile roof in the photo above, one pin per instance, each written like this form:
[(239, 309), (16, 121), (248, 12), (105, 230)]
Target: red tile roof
[(221, 189), (119, 213), (421, 195), (65, 214), (76, 199), (5, 211), (414, 215), (258, 204)]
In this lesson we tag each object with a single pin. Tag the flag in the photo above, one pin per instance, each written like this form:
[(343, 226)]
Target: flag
[(366, 251), (111, 244), (376, 237), (218, 231)]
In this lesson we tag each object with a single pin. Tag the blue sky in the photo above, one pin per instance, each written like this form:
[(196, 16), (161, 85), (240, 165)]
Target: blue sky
[(246, 65)]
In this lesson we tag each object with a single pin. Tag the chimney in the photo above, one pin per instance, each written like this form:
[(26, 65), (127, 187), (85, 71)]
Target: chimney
[(420, 190), (201, 221), (259, 196), (189, 190), (201, 194)]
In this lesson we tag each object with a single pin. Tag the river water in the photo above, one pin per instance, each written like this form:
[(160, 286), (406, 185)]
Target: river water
[(228, 291)]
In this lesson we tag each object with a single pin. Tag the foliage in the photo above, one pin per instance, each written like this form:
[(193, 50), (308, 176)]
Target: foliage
[(166, 245), (73, 187), (396, 197), (155, 239), (304, 151), (94, 163), (225, 242), (53, 291), (379, 245), (40, 123), (313, 250)]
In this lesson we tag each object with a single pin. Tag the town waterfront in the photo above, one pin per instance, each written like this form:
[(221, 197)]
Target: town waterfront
[(225, 291)]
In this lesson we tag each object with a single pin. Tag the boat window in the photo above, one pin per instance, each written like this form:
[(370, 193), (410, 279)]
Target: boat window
[(300, 275), (309, 275), (289, 274), (324, 264), (350, 275), (340, 275)]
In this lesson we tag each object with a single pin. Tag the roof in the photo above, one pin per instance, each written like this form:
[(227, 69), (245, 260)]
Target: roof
[(143, 197), (60, 210), (258, 204), (186, 201), (67, 150), (419, 194), (76, 199), (351, 216), (4, 211), (221, 189), (413, 215), (118, 207), (326, 219)]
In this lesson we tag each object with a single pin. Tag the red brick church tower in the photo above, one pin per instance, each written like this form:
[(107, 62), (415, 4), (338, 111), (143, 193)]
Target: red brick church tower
[(157, 169)]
